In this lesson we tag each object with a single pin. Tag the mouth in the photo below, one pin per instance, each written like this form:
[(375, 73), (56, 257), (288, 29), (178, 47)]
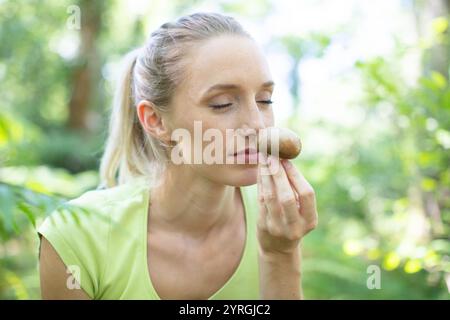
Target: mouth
[(246, 156), (247, 151)]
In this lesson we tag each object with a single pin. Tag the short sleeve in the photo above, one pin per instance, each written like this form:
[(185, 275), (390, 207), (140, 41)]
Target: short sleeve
[(78, 231)]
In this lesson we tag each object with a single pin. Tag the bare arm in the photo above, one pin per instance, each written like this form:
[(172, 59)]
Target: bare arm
[(287, 213), (280, 276), (54, 277)]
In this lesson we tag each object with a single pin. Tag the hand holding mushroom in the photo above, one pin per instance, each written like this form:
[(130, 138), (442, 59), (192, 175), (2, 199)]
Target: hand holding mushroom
[(287, 201)]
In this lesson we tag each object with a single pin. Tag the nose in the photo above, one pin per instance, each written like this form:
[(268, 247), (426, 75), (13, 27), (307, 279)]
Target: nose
[(253, 121)]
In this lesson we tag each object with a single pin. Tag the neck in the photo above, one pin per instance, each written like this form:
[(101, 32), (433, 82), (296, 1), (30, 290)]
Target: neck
[(188, 203)]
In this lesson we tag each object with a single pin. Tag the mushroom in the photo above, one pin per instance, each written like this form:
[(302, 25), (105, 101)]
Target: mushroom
[(289, 144)]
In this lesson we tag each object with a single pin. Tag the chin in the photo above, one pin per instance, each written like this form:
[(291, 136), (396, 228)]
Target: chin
[(242, 175)]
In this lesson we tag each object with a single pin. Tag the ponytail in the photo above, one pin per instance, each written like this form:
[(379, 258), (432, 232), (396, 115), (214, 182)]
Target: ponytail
[(123, 129)]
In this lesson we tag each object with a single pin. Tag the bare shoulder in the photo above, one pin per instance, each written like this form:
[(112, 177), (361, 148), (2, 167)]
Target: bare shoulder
[(54, 277)]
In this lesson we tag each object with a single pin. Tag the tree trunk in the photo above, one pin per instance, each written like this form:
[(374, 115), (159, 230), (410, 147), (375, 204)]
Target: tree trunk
[(86, 71)]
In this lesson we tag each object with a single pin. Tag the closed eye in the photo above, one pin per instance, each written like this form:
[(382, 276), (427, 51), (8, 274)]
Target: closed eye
[(221, 106), (266, 101)]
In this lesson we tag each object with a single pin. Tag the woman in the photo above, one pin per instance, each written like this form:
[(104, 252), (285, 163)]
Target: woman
[(189, 231)]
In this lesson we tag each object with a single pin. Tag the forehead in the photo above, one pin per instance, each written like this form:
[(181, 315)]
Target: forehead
[(225, 59)]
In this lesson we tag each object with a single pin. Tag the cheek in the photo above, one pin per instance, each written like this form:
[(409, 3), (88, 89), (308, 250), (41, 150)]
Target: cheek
[(195, 145), (269, 118)]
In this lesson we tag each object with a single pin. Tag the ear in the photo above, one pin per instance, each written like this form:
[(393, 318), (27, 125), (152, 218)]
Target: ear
[(151, 120)]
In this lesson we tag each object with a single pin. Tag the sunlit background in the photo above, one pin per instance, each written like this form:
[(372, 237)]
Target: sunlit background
[(364, 83)]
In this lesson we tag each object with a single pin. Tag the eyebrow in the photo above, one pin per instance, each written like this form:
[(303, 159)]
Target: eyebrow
[(225, 86)]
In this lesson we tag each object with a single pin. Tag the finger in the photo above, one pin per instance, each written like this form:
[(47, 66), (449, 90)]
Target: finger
[(285, 194), (304, 190), (263, 210), (274, 220), (258, 183)]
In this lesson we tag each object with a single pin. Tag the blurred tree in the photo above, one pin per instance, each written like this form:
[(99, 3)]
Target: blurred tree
[(86, 71), (434, 14), (298, 49), (420, 119)]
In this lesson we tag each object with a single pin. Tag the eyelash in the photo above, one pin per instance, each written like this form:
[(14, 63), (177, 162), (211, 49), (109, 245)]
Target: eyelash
[(222, 106)]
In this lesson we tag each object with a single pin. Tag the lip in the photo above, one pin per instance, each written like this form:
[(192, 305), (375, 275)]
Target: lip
[(249, 151), (246, 156)]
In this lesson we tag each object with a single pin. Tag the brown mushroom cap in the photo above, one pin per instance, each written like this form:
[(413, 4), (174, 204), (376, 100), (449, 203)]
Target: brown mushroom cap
[(289, 144)]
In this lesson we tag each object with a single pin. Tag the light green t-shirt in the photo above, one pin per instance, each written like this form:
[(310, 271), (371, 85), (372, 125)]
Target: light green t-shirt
[(104, 244)]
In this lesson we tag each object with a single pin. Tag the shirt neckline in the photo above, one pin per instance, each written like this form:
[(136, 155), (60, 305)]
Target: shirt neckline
[(144, 252)]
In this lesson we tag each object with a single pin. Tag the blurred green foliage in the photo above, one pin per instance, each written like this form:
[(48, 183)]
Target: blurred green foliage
[(385, 197), (383, 192)]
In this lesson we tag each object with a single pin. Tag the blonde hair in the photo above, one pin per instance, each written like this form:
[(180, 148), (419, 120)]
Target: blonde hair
[(152, 73)]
